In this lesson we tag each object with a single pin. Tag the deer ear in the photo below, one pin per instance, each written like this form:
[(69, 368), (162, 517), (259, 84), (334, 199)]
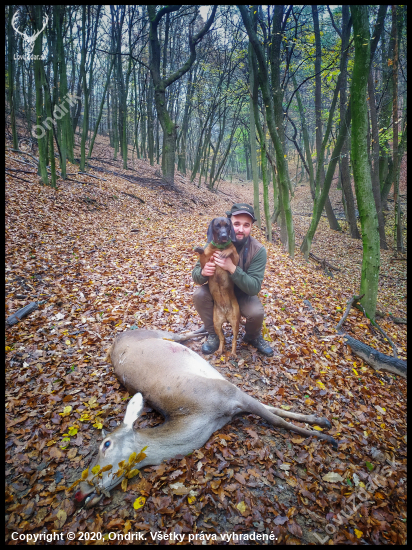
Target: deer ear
[(134, 408)]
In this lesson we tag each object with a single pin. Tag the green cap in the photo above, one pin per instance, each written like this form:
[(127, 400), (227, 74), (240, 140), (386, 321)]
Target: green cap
[(241, 208)]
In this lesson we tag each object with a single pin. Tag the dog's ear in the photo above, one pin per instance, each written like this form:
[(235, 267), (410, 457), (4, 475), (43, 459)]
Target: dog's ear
[(210, 231), (232, 231)]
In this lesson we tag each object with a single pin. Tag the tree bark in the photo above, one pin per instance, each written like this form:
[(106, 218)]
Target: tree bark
[(396, 198), (375, 161), (263, 77), (39, 95), (360, 161), (253, 84), (333, 222), (10, 78)]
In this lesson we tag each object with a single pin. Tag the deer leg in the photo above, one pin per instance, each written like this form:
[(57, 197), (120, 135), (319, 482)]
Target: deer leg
[(309, 418), (251, 405)]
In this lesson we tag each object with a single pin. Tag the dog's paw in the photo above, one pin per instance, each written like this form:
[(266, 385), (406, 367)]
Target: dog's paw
[(199, 250), (225, 254)]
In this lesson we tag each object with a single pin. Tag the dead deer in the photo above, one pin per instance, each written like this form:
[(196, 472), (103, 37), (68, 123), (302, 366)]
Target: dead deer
[(194, 398)]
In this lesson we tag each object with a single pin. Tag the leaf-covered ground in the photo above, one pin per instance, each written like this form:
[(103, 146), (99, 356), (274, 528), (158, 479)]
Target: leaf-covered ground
[(107, 253)]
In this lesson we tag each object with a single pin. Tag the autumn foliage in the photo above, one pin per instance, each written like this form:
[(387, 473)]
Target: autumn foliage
[(108, 253)]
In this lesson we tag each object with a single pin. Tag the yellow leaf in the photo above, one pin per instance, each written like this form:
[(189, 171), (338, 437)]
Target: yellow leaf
[(8, 348), (132, 473), (382, 425), (338, 307), (361, 484), (333, 348), (241, 506), (291, 288), (132, 458), (358, 533), (107, 467), (67, 342), (318, 428), (95, 469), (124, 484), (320, 384), (85, 473), (139, 503), (191, 500), (315, 351), (286, 407), (51, 442), (355, 372), (127, 526), (222, 357), (98, 425), (285, 156), (68, 409), (73, 430)]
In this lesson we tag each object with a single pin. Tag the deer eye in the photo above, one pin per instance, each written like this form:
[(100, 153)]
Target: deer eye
[(106, 444)]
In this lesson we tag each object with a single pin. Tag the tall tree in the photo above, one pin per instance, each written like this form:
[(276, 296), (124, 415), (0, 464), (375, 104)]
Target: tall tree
[(333, 222), (162, 83), (396, 197), (38, 82), (347, 193), (263, 76), (254, 91), (10, 78), (360, 160)]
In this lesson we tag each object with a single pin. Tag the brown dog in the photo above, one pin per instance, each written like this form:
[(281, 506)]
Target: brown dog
[(220, 235)]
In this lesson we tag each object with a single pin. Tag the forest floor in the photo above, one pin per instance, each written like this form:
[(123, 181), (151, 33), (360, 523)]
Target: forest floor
[(114, 251)]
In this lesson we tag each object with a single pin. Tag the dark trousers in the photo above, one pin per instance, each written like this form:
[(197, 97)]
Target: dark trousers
[(250, 307)]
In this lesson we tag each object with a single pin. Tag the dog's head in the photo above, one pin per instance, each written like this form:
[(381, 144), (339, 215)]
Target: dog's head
[(221, 231)]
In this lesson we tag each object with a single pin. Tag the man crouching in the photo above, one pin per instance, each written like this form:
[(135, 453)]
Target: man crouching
[(247, 276)]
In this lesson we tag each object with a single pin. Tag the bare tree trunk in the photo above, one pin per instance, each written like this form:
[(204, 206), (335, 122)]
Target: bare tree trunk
[(396, 197), (333, 222)]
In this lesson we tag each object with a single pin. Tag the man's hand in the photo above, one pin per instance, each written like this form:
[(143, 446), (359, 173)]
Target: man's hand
[(224, 263), (209, 268)]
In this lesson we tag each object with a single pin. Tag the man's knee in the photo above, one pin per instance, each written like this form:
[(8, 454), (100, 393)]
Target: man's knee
[(252, 309), (202, 296)]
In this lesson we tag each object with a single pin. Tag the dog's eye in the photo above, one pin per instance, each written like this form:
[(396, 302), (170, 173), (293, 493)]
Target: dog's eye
[(107, 444)]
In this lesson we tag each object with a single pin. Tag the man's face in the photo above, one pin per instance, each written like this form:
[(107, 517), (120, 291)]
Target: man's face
[(242, 224)]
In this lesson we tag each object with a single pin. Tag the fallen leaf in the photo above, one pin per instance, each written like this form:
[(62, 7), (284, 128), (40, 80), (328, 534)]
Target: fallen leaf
[(332, 477)]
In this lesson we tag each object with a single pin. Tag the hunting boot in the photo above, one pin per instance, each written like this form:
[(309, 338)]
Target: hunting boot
[(211, 344), (260, 344)]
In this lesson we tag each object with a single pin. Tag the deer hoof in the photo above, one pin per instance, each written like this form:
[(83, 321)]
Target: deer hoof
[(326, 424), (333, 442)]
